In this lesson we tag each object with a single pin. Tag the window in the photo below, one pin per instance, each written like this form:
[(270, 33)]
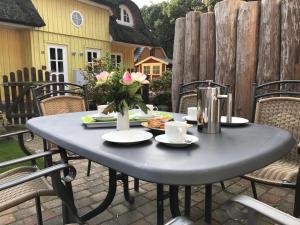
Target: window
[(156, 70), (125, 16), (91, 55), (76, 18), (116, 59), (147, 70)]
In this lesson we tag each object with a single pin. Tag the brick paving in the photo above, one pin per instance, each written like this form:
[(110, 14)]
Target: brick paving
[(89, 191)]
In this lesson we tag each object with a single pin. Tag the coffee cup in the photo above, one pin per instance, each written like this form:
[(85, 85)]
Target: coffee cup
[(101, 108), (192, 113), (176, 131)]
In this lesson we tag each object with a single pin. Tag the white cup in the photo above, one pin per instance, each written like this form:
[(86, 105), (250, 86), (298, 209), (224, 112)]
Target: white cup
[(176, 131), (151, 109), (101, 108), (192, 113)]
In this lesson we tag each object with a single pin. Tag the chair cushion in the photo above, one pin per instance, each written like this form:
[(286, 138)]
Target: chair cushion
[(18, 194)]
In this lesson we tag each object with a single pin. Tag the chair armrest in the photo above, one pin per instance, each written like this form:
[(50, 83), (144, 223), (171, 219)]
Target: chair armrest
[(28, 158), (14, 133), (180, 221), (41, 173), (256, 206)]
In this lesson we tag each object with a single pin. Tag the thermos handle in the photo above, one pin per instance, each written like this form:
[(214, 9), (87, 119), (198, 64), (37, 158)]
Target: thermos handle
[(229, 106)]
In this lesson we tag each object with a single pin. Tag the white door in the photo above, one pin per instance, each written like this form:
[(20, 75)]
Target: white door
[(57, 55)]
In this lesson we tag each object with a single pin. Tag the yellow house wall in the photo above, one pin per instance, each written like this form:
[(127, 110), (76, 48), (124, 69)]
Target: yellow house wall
[(127, 53), (11, 57)]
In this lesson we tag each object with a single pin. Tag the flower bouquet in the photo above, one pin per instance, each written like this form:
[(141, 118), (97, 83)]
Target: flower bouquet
[(122, 93)]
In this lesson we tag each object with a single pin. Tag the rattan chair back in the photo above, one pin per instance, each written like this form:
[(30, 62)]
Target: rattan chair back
[(188, 96), (62, 104), (281, 112)]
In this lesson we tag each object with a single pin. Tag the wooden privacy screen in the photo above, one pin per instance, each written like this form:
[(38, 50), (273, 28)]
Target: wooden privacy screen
[(238, 44)]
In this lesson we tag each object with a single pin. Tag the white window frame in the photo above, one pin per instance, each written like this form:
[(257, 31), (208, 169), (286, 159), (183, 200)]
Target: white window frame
[(117, 54), (121, 20), (160, 69), (92, 50), (71, 16), (64, 60)]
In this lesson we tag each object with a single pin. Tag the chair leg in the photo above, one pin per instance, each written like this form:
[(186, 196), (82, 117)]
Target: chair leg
[(254, 189), (88, 173), (187, 200), (297, 198), (208, 203), (223, 185), (38, 210), (136, 184)]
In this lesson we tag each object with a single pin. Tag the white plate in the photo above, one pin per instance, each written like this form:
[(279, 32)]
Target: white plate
[(190, 139), (236, 121), (103, 116), (127, 136), (143, 116), (187, 118)]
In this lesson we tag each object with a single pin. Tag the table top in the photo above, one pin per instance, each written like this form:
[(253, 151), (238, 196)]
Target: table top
[(231, 153)]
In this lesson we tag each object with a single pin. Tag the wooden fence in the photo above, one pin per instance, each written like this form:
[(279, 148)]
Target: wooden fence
[(18, 102), (238, 44)]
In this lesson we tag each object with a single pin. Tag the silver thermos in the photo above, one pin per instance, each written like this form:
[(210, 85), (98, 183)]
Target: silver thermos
[(209, 109)]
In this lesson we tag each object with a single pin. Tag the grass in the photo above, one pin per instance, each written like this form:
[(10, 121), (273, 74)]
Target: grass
[(9, 149)]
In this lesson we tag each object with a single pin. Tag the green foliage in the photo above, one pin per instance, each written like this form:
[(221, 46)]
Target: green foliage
[(96, 94), (162, 84), (160, 19)]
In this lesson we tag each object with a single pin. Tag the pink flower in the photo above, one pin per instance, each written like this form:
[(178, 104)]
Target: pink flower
[(141, 78), (102, 77), (127, 79)]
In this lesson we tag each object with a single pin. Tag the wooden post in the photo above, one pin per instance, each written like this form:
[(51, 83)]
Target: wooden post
[(246, 56), (178, 60), (226, 23), (269, 42), (207, 47), (191, 56), (290, 40)]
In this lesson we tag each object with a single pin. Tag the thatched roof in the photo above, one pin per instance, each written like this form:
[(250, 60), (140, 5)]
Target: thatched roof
[(20, 12), (23, 12)]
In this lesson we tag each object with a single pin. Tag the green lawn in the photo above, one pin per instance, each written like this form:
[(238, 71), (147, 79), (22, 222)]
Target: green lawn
[(9, 149)]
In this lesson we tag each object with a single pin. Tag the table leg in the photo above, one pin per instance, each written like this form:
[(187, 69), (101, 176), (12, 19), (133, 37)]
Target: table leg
[(127, 196), (208, 199), (160, 204), (174, 203), (108, 200), (187, 200)]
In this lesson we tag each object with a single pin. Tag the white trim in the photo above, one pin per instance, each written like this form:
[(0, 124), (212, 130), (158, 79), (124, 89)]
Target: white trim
[(15, 25), (154, 58), (82, 18), (97, 5), (65, 60), (121, 21)]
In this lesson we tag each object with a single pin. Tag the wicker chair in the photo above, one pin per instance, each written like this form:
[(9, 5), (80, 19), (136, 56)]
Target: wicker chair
[(274, 107), (24, 183), (188, 97), (58, 98)]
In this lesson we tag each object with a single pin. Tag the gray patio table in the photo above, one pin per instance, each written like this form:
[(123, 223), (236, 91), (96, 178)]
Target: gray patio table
[(232, 153)]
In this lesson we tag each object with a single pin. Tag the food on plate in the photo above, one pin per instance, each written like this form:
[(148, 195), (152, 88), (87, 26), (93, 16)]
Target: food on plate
[(158, 123)]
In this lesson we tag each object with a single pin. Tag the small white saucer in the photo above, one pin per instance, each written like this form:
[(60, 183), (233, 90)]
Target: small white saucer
[(127, 136), (188, 119), (235, 121), (143, 116), (103, 116), (190, 139)]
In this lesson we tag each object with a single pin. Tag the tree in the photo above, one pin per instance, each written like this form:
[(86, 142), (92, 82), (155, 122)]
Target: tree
[(160, 19)]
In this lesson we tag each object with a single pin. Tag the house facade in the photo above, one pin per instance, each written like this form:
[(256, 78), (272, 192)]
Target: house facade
[(63, 36), (152, 61)]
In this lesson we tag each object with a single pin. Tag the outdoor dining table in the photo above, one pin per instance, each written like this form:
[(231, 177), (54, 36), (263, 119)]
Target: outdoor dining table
[(216, 157)]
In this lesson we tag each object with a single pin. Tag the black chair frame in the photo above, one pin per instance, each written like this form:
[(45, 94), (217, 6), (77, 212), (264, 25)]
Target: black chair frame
[(284, 88)]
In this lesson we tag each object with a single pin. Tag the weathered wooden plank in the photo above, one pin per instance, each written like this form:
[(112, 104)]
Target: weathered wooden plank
[(13, 96), (178, 60), (269, 42), (28, 102), (226, 24), (33, 74), (207, 53), (20, 100), (246, 58), (191, 53), (290, 40), (7, 98)]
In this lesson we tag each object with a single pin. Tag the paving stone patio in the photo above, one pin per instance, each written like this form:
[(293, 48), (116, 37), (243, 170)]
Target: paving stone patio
[(89, 191)]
